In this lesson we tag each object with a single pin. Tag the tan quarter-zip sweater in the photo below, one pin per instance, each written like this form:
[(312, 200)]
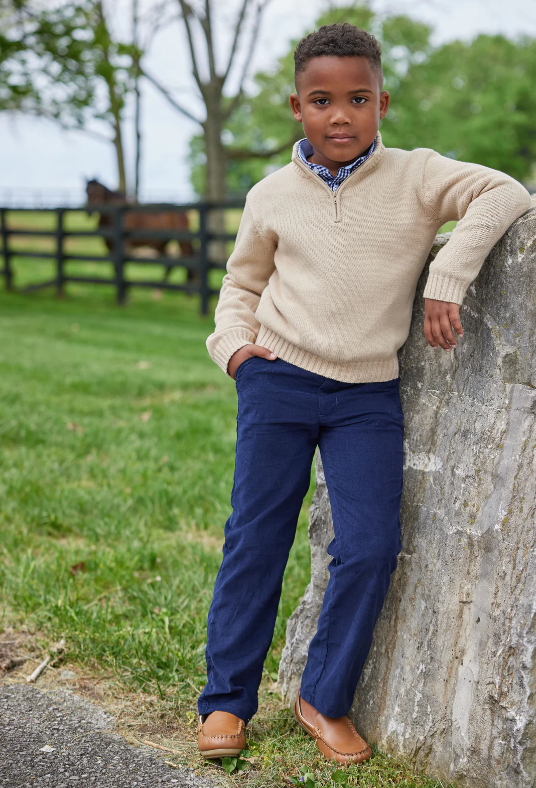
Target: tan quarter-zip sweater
[(327, 280)]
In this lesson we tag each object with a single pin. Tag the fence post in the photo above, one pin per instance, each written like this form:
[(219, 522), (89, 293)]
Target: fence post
[(203, 257), (60, 278), (8, 272), (118, 256)]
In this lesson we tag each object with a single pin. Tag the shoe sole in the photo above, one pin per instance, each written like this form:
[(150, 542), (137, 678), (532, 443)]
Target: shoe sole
[(220, 753)]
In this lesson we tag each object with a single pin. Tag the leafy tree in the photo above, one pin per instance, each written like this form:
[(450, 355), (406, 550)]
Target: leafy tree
[(472, 101), (17, 92), (63, 63)]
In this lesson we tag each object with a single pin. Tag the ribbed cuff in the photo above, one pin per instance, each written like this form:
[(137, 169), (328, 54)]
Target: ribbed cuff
[(445, 288), (222, 346)]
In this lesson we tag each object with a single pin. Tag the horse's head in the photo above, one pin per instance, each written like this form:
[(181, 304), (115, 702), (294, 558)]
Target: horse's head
[(98, 193)]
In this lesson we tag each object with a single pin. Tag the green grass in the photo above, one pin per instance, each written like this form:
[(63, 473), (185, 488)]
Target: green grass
[(118, 434), (117, 437)]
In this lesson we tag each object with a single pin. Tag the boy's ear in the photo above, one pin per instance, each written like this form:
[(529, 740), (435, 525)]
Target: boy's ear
[(384, 103), (295, 106)]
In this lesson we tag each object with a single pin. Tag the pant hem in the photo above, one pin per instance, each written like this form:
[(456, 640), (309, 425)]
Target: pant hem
[(229, 707), (327, 711)]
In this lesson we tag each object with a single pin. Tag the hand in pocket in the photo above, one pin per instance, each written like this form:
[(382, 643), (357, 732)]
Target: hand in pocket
[(246, 352)]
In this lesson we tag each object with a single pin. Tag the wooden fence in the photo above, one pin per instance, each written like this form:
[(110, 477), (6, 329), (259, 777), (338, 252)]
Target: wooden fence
[(199, 261)]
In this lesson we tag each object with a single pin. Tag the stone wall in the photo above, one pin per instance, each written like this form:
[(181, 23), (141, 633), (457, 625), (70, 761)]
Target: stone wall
[(450, 680)]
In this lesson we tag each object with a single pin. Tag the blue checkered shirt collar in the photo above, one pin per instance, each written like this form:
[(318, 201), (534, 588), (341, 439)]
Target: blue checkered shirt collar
[(333, 181)]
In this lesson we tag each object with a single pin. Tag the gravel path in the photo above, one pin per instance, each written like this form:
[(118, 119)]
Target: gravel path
[(85, 751)]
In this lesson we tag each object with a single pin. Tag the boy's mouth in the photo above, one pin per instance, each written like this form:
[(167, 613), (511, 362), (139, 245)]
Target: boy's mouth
[(340, 137)]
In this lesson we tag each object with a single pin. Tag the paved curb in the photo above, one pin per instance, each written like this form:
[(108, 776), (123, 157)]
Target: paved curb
[(85, 753)]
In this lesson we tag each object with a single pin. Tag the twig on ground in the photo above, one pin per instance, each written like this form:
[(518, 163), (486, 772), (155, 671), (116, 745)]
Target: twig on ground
[(173, 765), (160, 747), (58, 648)]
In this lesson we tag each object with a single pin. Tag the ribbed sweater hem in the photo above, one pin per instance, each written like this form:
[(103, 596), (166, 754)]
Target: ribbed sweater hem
[(345, 371)]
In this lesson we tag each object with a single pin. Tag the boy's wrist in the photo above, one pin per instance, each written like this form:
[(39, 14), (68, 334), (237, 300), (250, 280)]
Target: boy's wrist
[(222, 346)]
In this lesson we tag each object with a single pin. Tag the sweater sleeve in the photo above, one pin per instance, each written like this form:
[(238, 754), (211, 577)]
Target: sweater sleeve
[(248, 269), (485, 202)]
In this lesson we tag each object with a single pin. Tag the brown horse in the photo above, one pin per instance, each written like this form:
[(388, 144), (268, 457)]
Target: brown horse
[(98, 194)]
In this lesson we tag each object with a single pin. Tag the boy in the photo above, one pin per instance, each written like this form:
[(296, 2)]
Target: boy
[(315, 304)]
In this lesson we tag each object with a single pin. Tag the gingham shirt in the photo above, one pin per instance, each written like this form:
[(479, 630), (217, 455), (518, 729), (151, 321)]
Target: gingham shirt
[(333, 181)]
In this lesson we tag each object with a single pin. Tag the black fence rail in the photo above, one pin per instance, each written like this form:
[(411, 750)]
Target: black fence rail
[(198, 262)]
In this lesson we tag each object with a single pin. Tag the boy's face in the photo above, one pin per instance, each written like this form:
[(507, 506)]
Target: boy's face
[(340, 103)]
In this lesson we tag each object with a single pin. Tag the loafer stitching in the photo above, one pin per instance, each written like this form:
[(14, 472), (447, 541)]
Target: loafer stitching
[(319, 735), (221, 735), (339, 752), (201, 730)]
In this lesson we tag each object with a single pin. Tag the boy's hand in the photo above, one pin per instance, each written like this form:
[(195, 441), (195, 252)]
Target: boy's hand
[(245, 352), (439, 319)]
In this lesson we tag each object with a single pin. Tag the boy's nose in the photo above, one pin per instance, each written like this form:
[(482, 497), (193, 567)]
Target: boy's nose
[(339, 116)]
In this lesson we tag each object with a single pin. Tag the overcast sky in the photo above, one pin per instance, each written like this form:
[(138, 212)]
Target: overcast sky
[(35, 156)]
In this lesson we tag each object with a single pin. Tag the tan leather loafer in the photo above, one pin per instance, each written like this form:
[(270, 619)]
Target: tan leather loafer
[(337, 739), (220, 735)]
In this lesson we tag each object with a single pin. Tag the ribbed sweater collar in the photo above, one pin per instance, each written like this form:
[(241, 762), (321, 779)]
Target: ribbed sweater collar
[(370, 164)]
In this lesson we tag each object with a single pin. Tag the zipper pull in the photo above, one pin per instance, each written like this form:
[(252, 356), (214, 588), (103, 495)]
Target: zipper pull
[(337, 213)]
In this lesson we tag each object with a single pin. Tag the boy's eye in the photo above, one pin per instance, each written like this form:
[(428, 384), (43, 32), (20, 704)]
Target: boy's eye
[(358, 99)]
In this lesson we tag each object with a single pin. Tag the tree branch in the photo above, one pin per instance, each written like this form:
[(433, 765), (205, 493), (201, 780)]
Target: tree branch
[(155, 18), (234, 45), (206, 24), (95, 134), (49, 115), (239, 96), (167, 95), (239, 154), (186, 11)]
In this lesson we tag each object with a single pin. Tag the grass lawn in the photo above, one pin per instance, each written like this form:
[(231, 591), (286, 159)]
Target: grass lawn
[(117, 437)]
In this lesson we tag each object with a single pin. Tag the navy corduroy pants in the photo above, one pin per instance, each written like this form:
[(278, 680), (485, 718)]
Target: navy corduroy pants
[(284, 413)]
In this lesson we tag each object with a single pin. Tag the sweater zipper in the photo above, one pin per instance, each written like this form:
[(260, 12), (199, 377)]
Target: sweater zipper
[(337, 211), (334, 195)]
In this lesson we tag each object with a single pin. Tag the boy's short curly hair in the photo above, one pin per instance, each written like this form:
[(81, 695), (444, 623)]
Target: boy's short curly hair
[(341, 40)]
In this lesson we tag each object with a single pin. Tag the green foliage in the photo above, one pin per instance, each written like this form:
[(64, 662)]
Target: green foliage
[(473, 101), (55, 62), (339, 777), (17, 91), (238, 764), (307, 780)]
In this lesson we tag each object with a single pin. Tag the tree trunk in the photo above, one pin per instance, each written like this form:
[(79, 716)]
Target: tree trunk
[(450, 683), (118, 144), (215, 185), (137, 131), (115, 105), (137, 103)]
